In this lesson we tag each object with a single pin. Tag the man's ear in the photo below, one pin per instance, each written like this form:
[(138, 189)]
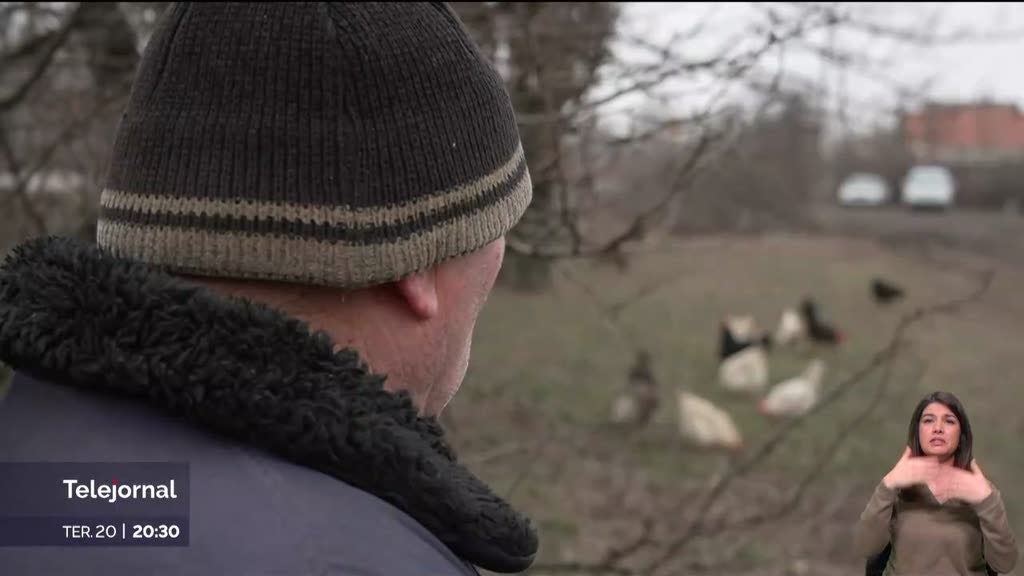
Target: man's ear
[(420, 293)]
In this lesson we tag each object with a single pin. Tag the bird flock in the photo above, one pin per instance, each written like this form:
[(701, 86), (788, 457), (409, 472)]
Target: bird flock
[(744, 369)]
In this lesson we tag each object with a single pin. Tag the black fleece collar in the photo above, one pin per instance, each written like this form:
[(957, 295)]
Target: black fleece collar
[(73, 314)]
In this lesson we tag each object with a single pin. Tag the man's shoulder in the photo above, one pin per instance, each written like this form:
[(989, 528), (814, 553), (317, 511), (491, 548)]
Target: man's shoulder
[(250, 511)]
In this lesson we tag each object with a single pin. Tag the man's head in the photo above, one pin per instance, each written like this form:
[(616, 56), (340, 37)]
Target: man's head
[(355, 164), (416, 330)]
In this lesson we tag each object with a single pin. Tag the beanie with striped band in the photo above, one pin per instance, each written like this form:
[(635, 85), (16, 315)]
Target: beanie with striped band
[(338, 144)]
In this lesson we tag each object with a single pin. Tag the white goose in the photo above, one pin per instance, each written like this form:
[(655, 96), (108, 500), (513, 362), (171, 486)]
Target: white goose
[(703, 424), (745, 371), (743, 327), (743, 363), (796, 396), (791, 328)]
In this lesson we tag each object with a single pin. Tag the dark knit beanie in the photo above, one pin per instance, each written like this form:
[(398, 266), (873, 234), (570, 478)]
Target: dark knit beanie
[(342, 144)]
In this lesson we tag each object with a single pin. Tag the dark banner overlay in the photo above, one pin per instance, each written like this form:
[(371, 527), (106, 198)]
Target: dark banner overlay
[(94, 504)]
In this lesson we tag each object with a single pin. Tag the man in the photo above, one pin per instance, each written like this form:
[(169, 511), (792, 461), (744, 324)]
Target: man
[(304, 214)]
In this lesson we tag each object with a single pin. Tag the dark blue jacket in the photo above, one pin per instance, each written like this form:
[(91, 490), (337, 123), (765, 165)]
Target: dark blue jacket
[(251, 512), (300, 462)]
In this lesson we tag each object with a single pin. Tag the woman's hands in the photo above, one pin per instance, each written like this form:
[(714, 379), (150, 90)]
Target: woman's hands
[(945, 482), (911, 470), (971, 486)]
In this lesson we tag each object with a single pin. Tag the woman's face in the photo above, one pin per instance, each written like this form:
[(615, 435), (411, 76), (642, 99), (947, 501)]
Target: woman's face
[(939, 431)]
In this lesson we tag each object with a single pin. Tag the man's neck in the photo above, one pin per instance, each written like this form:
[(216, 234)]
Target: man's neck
[(360, 320)]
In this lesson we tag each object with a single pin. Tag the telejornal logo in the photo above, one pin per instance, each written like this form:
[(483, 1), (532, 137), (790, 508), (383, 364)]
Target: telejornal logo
[(113, 492)]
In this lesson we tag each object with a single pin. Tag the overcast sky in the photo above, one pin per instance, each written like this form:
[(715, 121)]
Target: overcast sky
[(963, 71)]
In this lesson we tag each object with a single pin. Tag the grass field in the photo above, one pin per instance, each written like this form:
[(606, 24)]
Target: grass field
[(531, 417)]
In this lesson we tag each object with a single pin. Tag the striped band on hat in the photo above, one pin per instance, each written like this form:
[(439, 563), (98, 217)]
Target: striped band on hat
[(328, 245)]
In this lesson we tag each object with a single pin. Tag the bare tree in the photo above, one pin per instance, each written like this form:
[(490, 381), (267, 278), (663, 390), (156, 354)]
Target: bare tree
[(547, 70), (65, 74), (569, 68)]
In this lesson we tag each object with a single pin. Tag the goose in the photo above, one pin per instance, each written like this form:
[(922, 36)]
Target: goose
[(796, 396), (884, 291), (743, 327), (817, 329), (791, 328), (739, 332), (744, 364), (705, 425), (638, 400), (745, 372)]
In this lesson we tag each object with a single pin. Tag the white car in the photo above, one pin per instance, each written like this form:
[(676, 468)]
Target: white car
[(863, 189), (929, 187)]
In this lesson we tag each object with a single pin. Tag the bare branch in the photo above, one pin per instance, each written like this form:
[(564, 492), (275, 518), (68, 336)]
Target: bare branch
[(20, 191), (672, 65), (927, 36), (639, 224), (609, 320), (616, 308), (59, 38), (616, 555), (23, 173), (527, 471), (496, 453)]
